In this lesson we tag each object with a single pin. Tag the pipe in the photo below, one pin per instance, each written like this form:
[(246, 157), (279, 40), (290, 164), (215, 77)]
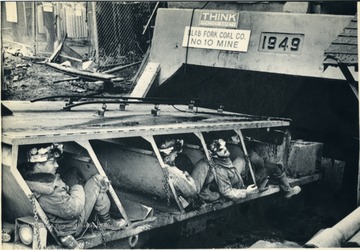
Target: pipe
[(338, 234)]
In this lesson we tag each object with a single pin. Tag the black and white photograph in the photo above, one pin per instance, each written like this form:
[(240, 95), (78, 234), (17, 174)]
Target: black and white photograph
[(179, 124)]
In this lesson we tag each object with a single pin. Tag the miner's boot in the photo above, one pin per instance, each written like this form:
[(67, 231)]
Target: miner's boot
[(208, 195), (263, 184), (108, 223), (284, 185)]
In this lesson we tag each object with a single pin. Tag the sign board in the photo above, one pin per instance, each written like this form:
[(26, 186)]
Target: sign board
[(219, 19), (214, 38), (47, 7), (11, 12), (281, 43)]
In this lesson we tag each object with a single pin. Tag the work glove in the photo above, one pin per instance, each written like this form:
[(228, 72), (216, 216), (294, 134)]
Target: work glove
[(103, 182), (252, 189)]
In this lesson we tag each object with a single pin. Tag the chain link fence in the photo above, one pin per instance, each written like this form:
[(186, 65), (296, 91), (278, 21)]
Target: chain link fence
[(120, 31)]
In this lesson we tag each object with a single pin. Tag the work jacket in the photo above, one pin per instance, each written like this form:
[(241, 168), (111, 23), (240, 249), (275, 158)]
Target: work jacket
[(228, 179), (62, 205), (183, 182)]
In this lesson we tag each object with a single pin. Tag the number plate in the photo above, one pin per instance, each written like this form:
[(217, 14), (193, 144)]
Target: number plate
[(281, 43)]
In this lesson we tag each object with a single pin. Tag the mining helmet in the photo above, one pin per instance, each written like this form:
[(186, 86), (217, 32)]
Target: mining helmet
[(216, 145), (170, 146), (43, 154)]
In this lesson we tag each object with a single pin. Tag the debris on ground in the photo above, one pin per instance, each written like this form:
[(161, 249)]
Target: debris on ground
[(27, 77)]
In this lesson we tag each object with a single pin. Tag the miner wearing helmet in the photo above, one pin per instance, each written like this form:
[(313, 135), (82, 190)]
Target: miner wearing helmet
[(231, 175), (68, 208), (188, 185)]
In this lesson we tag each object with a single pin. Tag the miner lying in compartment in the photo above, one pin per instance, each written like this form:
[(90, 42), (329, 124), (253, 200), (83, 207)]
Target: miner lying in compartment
[(235, 168), (141, 176), (69, 208), (189, 171), (227, 171)]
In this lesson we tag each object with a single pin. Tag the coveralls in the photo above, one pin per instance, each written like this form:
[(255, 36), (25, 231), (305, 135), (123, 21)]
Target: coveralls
[(68, 209)]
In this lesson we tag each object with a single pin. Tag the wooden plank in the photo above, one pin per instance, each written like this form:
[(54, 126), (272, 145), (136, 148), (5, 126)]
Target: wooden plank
[(146, 80), (349, 32), (56, 52), (344, 58), (80, 73), (76, 63), (141, 67), (342, 49), (352, 24), (67, 79), (70, 52), (346, 40), (118, 68), (150, 18)]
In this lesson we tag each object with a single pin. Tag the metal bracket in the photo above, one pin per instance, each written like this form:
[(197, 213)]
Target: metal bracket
[(88, 147), (247, 158), (206, 151), (155, 111), (151, 140)]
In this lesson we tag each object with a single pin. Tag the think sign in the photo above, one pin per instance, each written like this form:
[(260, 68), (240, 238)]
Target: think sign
[(219, 19), (220, 39)]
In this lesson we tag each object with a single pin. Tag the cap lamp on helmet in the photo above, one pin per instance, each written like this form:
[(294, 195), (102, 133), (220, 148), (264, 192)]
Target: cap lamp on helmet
[(44, 154), (170, 146), (216, 145)]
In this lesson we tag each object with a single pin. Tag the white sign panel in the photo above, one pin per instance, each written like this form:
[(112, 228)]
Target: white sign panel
[(213, 38), (47, 7), (219, 19), (11, 12)]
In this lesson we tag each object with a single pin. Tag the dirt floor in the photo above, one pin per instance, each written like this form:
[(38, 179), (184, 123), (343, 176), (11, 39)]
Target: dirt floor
[(272, 222)]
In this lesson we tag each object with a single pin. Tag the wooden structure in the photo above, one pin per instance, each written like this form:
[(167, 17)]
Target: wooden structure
[(343, 53)]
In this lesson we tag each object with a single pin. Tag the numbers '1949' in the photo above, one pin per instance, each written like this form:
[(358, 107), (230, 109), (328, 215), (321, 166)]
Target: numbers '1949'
[(281, 43)]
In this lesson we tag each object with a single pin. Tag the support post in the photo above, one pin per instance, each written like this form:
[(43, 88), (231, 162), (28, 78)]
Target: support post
[(349, 77), (162, 165), (206, 151), (238, 131), (25, 20), (88, 147), (34, 27), (95, 29)]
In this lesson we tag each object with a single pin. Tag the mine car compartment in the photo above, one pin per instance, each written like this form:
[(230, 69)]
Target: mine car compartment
[(134, 166)]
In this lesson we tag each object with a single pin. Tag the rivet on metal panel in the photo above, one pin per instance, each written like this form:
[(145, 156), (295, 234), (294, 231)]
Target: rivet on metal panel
[(191, 106), (220, 109), (122, 106), (155, 111), (101, 112)]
